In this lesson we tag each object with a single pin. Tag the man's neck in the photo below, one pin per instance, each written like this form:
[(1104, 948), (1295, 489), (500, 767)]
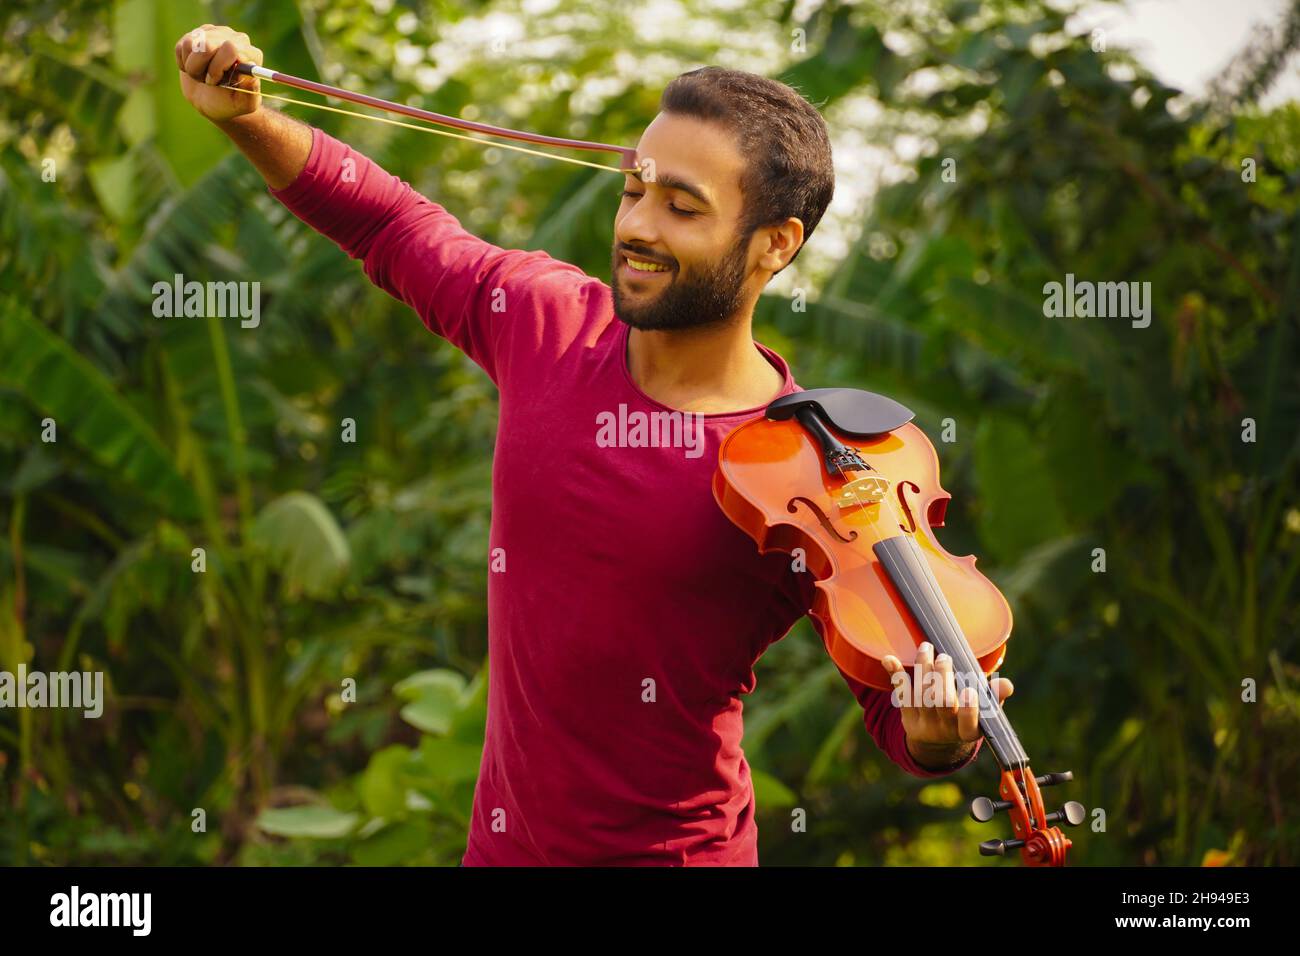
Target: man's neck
[(712, 371)]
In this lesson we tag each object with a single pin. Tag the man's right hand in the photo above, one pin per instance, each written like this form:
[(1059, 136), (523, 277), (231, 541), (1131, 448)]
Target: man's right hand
[(203, 56)]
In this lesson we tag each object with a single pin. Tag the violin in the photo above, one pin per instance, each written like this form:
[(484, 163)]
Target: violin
[(843, 478)]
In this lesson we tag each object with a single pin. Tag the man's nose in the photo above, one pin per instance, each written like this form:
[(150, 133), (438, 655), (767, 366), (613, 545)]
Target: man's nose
[(637, 228)]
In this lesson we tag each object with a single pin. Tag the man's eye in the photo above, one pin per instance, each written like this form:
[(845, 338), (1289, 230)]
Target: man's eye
[(671, 208)]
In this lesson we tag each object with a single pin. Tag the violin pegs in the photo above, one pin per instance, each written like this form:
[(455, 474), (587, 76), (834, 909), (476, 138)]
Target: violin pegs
[(1071, 814), (1045, 845), (1052, 779), (999, 847), (982, 809)]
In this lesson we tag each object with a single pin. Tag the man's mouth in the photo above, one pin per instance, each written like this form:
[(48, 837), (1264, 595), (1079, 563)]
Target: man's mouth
[(642, 267)]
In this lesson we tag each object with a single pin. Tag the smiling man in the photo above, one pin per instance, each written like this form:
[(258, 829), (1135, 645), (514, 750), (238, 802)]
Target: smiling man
[(625, 611)]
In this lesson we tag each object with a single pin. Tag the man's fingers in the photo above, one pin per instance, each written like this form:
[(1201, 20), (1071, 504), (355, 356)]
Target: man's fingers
[(947, 683), (187, 45), (901, 696), (924, 664), (196, 50), (248, 54), (968, 714), (1003, 688), (196, 64), (226, 56)]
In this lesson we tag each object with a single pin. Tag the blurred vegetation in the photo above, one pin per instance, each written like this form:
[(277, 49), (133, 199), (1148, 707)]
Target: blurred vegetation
[(330, 562)]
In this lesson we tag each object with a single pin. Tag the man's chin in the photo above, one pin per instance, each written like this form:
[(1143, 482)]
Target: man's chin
[(659, 324), (637, 318), (641, 323)]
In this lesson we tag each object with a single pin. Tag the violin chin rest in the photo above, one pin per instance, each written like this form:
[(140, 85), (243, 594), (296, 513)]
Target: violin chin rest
[(848, 410)]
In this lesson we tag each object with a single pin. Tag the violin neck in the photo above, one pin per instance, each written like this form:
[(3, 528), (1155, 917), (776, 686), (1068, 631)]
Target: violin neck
[(908, 569)]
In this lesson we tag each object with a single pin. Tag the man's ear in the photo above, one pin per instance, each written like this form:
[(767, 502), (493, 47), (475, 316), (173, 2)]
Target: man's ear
[(785, 241)]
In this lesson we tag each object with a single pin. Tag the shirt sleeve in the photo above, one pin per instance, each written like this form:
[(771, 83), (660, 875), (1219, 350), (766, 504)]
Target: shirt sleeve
[(884, 722), (466, 290)]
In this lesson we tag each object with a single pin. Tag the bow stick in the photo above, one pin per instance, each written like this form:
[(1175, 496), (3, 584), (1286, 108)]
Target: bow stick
[(628, 161)]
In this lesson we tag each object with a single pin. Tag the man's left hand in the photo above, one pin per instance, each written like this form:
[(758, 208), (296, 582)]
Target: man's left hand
[(941, 728)]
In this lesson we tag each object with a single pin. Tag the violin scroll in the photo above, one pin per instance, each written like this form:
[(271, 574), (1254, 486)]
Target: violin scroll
[(1039, 841)]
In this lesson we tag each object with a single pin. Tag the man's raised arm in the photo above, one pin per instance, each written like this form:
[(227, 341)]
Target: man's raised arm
[(476, 295)]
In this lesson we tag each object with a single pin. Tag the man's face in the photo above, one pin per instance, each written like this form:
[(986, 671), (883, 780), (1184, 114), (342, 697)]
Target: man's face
[(685, 223)]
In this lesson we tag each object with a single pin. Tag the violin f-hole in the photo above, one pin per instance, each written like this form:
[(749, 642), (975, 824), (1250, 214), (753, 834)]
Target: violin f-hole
[(821, 517), (903, 504)]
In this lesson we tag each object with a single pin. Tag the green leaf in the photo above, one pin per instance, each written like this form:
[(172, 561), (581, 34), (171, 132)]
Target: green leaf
[(39, 466), (382, 789), (408, 841), (447, 683), (114, 183), (450, 761), (435, 696), (87, 96), (1088, 462), (852, 55), (1049, 574), (576, 217), (431, 713), (177, 236), (145, 33), (304, 543), (1019, 507), (317, 822), (770, 792), (469, 723), (86, 407), (978, 52)]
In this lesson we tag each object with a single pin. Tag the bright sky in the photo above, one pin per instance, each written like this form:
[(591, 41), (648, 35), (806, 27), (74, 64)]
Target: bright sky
[(1187, 42)]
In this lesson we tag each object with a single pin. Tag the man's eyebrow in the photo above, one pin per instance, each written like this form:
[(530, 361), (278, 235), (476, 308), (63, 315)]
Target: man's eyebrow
[(670, 181)]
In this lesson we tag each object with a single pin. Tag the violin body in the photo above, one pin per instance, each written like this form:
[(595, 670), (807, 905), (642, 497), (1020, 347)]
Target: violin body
[(772, 484), (842, 480)]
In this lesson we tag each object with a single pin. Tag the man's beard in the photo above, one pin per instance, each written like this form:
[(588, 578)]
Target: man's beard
[(688, 301)]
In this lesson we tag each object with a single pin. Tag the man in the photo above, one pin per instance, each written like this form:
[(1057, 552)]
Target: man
[(625, 611)]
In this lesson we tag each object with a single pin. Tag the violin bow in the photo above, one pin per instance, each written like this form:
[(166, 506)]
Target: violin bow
[(627, 155)]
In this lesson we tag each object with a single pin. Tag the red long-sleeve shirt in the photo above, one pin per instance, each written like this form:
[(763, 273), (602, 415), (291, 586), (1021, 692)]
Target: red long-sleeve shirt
[(623, 630)]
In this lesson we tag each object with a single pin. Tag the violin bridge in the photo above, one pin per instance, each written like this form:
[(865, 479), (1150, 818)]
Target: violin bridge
[(868, 490)]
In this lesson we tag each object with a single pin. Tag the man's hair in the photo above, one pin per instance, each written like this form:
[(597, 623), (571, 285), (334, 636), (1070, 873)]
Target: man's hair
[(782, 138)]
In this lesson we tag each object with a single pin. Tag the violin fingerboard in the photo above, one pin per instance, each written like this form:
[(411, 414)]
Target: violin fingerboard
[(910, 573)]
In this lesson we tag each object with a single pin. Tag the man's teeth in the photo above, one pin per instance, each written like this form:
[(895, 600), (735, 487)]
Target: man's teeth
[(645, 266)]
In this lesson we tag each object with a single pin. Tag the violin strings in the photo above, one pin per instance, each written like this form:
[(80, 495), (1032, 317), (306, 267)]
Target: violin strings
[(994, 728), (965, 656), (436, 132)]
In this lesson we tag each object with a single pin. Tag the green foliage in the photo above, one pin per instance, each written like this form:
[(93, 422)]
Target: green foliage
[(411, 804), (304, 544), (1078, 434), (61, 384)]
